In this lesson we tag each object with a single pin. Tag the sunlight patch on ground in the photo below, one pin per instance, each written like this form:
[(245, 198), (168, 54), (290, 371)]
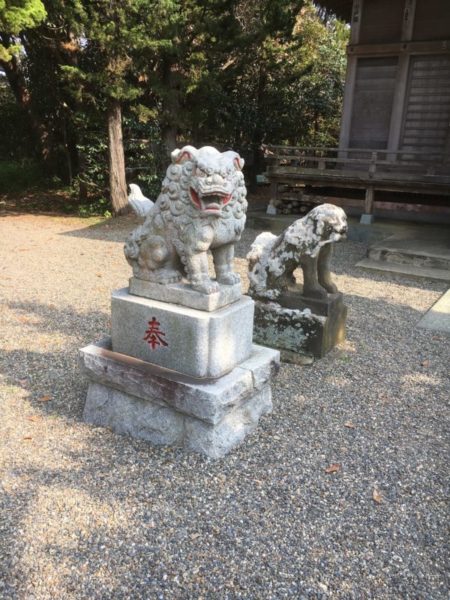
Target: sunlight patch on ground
[(420, 379), (65, 519)]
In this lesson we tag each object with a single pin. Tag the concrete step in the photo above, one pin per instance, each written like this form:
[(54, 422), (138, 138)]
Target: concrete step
[(438, 317), (413, 252), (405, 269), (410, 256)]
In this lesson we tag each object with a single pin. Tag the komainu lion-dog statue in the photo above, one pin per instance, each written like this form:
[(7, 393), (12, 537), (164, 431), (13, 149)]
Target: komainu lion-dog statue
[(201, 207), (307, 243)]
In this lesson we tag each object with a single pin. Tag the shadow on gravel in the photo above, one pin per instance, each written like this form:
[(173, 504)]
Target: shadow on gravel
[(52, 380), (67, 321), (52, 373), (110, 230)]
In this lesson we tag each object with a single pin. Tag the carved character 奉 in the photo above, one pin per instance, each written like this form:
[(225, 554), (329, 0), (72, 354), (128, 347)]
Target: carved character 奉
[(201, 207), (307, 243)]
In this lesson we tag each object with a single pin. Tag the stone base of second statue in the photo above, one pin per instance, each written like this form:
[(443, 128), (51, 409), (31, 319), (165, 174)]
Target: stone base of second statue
[(299, 325)]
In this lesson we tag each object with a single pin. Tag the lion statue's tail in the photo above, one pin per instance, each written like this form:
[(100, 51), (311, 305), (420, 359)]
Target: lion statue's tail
[(138, 202)]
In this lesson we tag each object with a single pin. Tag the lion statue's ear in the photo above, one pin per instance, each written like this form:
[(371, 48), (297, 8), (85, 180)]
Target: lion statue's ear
[(186, 153), (239, 162), (234, 157)]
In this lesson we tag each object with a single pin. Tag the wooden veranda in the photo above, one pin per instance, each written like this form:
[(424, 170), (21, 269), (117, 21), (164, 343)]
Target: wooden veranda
[(395, 123), (300, 168)]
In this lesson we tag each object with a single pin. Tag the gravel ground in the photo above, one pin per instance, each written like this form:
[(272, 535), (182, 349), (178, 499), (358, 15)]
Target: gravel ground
[(85, 513)]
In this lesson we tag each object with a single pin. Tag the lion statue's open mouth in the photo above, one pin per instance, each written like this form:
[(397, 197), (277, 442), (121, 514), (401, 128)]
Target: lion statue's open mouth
[(211, 202)]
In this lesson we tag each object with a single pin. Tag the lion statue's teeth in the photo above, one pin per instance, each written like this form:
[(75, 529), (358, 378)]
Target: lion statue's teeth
[(201, 207)]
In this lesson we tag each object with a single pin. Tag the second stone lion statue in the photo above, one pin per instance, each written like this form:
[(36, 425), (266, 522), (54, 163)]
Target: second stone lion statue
[(201, 207), (307, 243)]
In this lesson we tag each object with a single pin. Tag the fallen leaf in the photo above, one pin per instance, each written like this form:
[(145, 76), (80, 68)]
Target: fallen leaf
[(28, 437), (34, 418), (377, 497), (349, 424), (334, 468), (44, 399), (98, 274), (425, 363)]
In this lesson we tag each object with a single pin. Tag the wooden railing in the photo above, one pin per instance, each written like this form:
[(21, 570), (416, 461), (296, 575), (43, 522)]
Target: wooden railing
[(357, 159)]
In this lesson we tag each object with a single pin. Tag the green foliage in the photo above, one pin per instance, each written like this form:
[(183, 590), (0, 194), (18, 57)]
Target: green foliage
[(15, 139), (15, 16), (232, 73), (92, 181), (98, 207), (17, 176), (281, 82)]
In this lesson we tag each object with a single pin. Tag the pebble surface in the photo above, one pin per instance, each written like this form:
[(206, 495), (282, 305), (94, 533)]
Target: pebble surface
[(341, 492)]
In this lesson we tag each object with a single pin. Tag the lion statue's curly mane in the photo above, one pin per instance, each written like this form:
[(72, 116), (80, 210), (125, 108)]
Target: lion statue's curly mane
[(201, 207), (306, 243)]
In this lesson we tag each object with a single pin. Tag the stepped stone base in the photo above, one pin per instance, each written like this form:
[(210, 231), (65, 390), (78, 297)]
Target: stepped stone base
[(196, 343), (152, 403)]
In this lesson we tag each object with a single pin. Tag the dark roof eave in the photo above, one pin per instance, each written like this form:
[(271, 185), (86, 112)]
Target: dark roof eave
[(341, 8)]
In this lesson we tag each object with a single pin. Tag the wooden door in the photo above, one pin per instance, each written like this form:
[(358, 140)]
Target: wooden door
[(426, 124)]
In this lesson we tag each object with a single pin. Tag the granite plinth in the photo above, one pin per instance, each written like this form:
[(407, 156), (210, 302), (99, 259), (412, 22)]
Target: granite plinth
[(300, 330), (145, 401), (195, 343), (184, 295), (294, 298)]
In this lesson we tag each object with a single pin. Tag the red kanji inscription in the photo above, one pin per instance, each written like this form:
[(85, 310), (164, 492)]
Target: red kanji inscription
[(154, 336)]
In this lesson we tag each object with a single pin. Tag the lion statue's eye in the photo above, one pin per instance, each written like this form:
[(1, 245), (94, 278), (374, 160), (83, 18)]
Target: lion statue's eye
[(201, 173)]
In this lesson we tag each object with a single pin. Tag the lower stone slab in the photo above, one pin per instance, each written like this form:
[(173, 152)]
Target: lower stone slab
[(161, 425), (142, 400), (300, 331)]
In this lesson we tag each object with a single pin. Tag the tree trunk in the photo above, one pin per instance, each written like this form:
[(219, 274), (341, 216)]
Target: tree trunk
[(117, 181), (258, 133), (170, 105), (169, 136)]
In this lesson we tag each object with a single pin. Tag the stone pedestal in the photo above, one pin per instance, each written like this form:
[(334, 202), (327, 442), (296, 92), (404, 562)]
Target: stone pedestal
[(145, 401), (174, 374), (297, 324), (197, 343)]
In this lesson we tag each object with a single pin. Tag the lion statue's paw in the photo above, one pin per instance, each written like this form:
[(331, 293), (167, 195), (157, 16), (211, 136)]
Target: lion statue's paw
[(205, 286), (229, 278), (315, 292)]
